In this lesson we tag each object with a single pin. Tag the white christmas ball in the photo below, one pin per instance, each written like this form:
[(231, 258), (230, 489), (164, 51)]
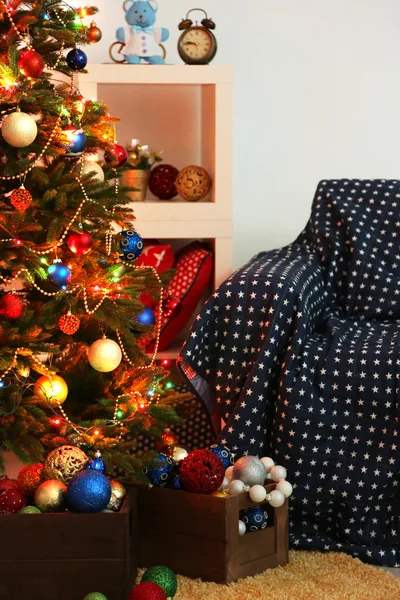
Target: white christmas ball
[(277, 499), (242, 528), (226, 481), (268, 463), (285, 487), (19, 129), (269, 476), (278, 473), (93, 168), (104, 355), (229, 472), (258, 493), (236, 487)]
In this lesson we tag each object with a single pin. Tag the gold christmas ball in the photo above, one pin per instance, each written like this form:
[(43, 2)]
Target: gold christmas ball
[(49, 496), (19, 129), (193, 183), (50, 389), (178, 453), (92, 168), (104, 355), (64, 462), (118, 493), (94, 34)]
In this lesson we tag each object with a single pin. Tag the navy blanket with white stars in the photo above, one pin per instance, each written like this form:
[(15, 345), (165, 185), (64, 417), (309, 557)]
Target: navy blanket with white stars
[(299, 351)]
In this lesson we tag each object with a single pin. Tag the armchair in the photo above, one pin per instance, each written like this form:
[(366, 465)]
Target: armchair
[(298, 353)]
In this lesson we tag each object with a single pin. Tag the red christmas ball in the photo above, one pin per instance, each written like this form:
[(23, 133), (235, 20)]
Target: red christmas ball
[(80, 243), (118, 157), (162, 182), (171, 307), (147, 590), (69, 324), (11, 307), (201, 472), (9, 484), (30, 477), (31, 63), (12, 501)]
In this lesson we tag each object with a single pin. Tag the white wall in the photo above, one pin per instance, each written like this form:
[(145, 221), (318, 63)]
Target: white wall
[(317, 95)]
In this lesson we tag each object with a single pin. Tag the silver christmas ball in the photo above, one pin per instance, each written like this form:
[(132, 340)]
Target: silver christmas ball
[(250, 470)]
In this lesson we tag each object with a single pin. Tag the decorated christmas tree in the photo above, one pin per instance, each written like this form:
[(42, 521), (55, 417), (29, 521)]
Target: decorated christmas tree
[(72, 370)]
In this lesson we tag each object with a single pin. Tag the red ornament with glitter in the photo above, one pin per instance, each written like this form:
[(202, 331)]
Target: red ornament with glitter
[(201, 472), (162, 182), (80, 243), (8, 484), (21, 199), (69, 324), (118, 157), (147, 590), (12, 501), (30, 477), (31, 63), (11, 307)]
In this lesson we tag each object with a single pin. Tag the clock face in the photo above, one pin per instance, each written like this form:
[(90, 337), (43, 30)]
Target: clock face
[(197, 45)]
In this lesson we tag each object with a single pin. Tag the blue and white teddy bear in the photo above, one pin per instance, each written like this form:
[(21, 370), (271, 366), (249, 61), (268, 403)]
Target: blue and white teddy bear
[(142, 40)]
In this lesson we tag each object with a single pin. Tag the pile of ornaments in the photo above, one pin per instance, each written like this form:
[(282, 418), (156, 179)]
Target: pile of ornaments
[(215, 469), (68, 481), (157, 583)]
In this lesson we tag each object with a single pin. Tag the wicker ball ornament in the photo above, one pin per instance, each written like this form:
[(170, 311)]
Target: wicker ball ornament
[(193, 183), (49, 496), (201, 472), (64, 462), (162, 182), (11, 307), (104, 355), (19, 129), (21, 199), (30, 477), (69, 324)]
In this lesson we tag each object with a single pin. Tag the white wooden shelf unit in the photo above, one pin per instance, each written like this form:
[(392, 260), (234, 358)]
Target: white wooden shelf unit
[(186, 111)]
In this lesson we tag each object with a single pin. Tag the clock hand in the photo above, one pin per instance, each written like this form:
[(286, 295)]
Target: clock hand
[(191, 44)]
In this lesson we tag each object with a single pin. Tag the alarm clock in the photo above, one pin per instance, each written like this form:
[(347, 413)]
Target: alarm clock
[(197, 44)]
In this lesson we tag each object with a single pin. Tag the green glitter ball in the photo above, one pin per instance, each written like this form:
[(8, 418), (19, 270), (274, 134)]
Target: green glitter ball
[(30, 510), (95, 596), (163, 577)]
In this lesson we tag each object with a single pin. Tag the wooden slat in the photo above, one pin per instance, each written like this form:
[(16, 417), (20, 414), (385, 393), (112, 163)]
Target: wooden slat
[(256, 545), (184, 554)]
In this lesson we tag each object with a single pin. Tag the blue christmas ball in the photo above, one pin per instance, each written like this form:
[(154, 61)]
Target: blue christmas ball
[(177, 483), (147, 317), (76, 59), (131, 245), (96, 463), (76, 141), (89, 491), (224, 454), (255, 518), (162, 473), (59, 274)]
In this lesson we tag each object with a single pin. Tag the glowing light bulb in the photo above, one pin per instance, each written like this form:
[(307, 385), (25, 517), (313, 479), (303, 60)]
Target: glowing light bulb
[(43, 261), (96, 432), (1, 384), (120, 414), (169, 385), (18, 242), (165, 362)]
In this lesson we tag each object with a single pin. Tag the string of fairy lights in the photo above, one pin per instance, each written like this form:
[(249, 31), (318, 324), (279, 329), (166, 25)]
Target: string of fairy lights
[(76, 290)]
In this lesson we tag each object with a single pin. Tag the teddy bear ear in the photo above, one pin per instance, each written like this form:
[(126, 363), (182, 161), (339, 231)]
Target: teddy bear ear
[(127, 4), (153, 4)]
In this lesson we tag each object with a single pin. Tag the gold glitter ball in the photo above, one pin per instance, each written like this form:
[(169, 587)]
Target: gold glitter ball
[(19, 129), (118, 493), (64, 462)]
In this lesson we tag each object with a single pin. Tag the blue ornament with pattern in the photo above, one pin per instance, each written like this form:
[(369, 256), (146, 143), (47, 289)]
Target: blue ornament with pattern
[(131, 245), (162, 472), (96, 463), (76, 59), (224, 454), (89, 492), (255, 518), (177, 483)]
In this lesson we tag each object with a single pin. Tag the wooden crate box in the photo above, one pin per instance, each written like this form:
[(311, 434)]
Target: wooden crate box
[(66, 556), (198, 535)]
